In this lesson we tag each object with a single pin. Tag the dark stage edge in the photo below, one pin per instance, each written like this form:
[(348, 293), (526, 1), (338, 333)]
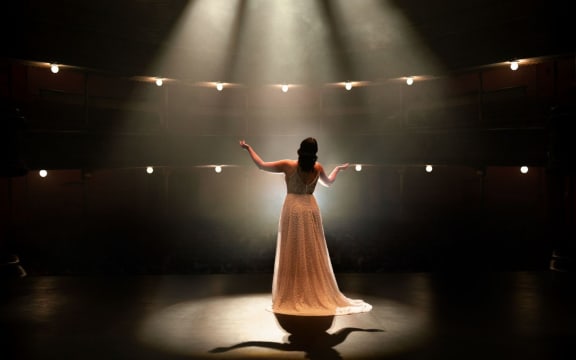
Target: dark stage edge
[(513, 315)]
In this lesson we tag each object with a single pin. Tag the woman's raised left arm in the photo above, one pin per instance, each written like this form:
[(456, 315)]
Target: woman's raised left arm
[(271, 166)]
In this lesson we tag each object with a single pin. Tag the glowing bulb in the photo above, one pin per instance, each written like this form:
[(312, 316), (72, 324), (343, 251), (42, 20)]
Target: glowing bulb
[(218, 169), (219, 86), (348, 85), (43, 173), (149, 169), (358, 167), (429, 168), (284, 88), (410, 80), (159, 82), (514, 65), (524, 169), (54, 68)]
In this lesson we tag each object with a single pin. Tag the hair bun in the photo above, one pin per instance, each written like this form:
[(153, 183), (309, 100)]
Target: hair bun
[(306, 153)]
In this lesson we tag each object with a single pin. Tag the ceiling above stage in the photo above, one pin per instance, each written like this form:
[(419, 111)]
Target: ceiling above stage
[(284, 40)]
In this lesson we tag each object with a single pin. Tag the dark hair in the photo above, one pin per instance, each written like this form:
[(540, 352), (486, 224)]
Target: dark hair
[(307, 154)]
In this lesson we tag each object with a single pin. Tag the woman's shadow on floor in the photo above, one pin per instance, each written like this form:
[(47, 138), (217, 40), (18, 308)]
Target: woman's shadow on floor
[(307, 334)]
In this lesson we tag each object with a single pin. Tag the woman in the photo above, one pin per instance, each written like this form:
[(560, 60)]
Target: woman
[(304, 282)]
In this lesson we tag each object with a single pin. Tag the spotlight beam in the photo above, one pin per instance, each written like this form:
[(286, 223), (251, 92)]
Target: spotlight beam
[(337, 42), (237, 35)]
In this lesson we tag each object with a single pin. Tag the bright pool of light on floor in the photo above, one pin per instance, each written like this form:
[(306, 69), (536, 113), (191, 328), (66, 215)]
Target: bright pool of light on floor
[(196, 327)]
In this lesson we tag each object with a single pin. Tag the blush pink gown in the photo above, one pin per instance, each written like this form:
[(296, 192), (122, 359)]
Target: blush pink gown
[(304, 281)]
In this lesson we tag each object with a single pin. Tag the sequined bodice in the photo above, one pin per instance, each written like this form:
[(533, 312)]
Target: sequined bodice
[(295, 183)]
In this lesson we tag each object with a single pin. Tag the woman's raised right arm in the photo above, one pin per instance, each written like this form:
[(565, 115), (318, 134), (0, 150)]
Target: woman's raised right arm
[(328, 180)]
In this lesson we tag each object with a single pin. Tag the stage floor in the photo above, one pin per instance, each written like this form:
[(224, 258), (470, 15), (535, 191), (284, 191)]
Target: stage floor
[(516, 315)]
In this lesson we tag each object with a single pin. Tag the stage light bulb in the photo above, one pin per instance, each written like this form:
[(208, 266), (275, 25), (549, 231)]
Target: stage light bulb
[(219, 86), (514, 65), (348, 85), (410, 80), (218, 169), (358, 167), (284, 88), (149, 169), (429, 168), (524, 169), (159, 82), (43, 173), (54, 68)]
